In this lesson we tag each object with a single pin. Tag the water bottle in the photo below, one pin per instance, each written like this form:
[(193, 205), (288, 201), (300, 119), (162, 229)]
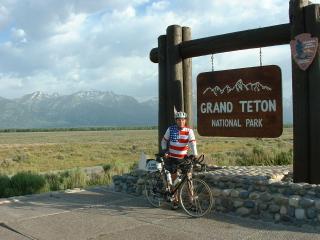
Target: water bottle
[(168, 175), (178, 179)]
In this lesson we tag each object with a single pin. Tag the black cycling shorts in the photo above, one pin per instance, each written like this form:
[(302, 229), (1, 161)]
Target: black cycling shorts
[(172, 163)]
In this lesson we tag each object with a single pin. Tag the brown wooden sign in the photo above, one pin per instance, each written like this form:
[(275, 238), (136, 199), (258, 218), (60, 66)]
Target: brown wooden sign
[(243, 102)]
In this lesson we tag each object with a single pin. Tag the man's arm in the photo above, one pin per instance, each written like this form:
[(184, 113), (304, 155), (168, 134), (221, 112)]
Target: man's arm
[(192, 143), (165, 139)]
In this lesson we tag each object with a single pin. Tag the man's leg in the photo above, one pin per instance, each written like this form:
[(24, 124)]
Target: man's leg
[(191, 192), (175, 203)]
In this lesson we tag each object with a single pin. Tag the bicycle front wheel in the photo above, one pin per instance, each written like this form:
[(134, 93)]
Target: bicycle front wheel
[(196, 197), (154, 189)]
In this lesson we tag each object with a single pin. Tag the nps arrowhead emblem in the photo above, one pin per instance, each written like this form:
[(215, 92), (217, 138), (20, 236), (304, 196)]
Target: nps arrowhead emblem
[(304, 49)]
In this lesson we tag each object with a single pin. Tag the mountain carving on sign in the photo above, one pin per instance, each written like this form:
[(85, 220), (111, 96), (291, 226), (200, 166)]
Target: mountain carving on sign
[(239, 86)]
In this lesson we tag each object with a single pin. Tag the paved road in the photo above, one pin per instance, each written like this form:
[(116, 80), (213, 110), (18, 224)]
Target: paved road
[(99, 213)]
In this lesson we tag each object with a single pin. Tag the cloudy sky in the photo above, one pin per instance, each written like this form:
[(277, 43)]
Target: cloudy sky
[(73, 45)]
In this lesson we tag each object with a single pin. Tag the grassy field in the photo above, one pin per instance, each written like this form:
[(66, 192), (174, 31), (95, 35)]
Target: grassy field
[(49, 151)]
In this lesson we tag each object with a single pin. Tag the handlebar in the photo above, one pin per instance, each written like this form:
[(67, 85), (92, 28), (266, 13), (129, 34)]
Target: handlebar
[(197, 163), (195, 160), (190, 160)]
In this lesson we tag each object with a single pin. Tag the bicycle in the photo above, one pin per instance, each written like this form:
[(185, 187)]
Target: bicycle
[(194, 194)]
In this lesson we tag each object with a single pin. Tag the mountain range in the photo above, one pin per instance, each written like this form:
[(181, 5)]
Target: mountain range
[(84, 109)]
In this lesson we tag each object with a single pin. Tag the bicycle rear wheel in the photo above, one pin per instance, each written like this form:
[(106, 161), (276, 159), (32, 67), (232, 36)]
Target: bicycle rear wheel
[(154, 189), (196, 197)]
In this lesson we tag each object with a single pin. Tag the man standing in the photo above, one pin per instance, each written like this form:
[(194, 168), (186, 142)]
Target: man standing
[(176, 142)]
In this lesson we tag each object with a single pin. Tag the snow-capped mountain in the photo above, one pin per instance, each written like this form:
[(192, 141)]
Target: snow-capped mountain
[(239, 86), (85, 108), (38, 96)]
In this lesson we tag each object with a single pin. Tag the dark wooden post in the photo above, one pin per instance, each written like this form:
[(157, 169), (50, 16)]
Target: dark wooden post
[(187, 78), (174, 72), (162, 68), (313, 27), (300, 100)]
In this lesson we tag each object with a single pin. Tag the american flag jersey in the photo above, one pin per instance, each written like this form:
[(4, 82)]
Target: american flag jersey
[(178, 140)]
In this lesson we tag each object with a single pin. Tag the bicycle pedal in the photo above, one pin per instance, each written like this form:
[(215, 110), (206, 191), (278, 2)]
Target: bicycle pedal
[(170, 199)]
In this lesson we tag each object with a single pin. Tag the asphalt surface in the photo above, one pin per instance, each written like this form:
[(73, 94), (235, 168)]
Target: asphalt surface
[(99, 213)]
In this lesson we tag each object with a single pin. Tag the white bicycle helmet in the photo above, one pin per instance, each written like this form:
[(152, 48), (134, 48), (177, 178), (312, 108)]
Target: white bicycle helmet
[(180, 115)]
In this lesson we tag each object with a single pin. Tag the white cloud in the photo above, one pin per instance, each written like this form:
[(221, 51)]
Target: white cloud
[(124, 14), (11, 80), (74, 22), (160, 5), (77, 44), (4, 17), (69, 31), (18, 35)]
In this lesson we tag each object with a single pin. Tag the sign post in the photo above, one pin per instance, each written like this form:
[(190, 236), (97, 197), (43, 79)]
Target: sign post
[(243, 102)]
